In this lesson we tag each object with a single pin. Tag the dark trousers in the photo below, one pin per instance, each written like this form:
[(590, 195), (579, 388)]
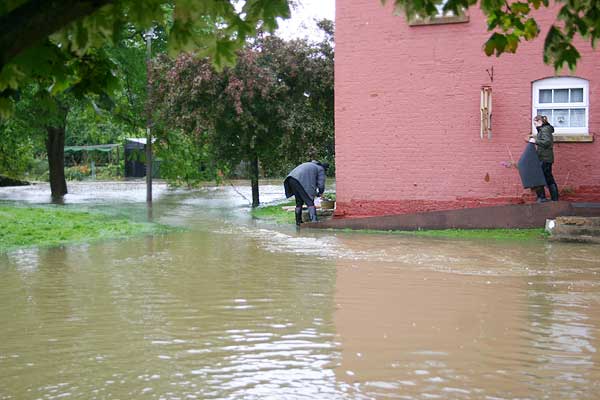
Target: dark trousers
[(550, 182), (300, 194), (547, 169)]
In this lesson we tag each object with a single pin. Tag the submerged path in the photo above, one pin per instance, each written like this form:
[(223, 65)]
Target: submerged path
[(235, 308)]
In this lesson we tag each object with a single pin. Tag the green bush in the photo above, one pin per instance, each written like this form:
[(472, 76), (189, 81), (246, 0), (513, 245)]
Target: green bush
[(38, 170), (109, 172), (77, 173), (16, 151)]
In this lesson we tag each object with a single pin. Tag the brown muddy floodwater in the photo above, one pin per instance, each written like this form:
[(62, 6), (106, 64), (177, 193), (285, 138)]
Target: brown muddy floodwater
[(239, 309)]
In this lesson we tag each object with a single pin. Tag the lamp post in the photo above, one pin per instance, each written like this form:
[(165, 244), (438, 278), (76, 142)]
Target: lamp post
[(149, 35)]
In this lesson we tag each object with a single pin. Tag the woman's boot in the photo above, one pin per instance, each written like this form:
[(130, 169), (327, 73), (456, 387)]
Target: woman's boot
[(553, 192), (541, 195), (298, 212)]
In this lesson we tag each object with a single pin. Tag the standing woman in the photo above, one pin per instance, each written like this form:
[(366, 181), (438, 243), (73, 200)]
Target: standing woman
[(545, 144)]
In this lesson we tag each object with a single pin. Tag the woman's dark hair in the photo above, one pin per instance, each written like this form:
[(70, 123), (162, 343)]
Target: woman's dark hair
[(542, 118)]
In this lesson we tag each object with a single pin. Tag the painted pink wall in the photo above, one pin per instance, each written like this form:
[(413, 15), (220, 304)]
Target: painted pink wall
[(408, 120)]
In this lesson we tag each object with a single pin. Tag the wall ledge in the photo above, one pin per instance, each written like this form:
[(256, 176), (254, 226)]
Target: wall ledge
[(573, 138), (450, 19)]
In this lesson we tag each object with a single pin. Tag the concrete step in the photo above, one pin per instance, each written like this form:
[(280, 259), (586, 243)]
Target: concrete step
[(575, 229), (578, 221)]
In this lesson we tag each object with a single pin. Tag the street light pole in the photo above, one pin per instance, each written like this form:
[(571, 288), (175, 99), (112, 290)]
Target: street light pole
[(148, 36)]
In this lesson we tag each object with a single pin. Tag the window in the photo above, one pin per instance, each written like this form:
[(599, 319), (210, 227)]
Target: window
[(440, 17), (440, 9), (565, 102)]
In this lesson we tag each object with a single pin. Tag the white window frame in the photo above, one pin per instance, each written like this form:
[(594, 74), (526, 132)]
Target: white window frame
[(440, 8), (562, 83), (439, 18)]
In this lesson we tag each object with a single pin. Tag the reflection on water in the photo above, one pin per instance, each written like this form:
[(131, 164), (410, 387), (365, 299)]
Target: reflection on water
[(239, 309), (198, 317), (429, 335)]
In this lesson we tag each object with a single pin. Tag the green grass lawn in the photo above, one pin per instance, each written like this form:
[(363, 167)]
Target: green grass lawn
[(52, 226), (277, 214)]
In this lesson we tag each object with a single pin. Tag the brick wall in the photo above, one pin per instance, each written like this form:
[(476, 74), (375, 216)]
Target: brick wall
[(408, 119)]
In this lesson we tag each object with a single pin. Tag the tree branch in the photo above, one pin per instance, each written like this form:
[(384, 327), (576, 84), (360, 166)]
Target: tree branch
[(35, 20)]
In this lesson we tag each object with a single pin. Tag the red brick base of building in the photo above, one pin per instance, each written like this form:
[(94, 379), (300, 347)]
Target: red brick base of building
[(358, 208)]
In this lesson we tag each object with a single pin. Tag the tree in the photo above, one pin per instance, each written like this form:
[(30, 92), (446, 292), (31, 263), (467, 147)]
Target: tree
[(251, 118), (307, 69), (272, 107), (42, 113), (16, 151), (55, 46), (238, 112), (513, 21), (215, 28)]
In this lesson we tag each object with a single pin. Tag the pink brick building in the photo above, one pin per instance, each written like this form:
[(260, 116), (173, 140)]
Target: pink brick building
[(409, 121)]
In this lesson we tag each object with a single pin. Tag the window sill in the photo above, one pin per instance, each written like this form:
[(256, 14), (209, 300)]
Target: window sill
[(451, 19), (573, 138)]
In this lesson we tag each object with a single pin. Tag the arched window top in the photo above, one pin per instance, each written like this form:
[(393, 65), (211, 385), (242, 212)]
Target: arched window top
[(565, 101), (561, 81)]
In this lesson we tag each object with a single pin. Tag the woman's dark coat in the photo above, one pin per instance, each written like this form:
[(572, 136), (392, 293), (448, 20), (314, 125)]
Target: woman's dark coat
[(545, 143)]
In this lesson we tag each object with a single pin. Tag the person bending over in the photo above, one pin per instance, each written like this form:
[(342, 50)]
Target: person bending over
[(305, 182)]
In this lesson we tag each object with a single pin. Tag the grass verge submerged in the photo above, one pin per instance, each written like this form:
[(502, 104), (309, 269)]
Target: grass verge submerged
[(275, 213), (495, 234), (52, 226)]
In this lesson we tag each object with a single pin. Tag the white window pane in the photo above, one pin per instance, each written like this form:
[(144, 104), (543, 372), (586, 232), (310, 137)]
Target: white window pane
[(578, 118), (564, 101), (561, 96), (561, 118), (576, 95), (546, 113), (546, 96)]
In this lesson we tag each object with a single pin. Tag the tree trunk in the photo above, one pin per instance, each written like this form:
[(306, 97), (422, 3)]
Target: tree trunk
[(254, 179), (55, 146)]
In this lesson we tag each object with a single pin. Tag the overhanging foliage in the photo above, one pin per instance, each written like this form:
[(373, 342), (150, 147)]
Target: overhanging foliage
[(513, 21), (35, 34)]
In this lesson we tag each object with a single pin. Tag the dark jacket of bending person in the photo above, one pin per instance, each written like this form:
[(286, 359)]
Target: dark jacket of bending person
[(306, 182)]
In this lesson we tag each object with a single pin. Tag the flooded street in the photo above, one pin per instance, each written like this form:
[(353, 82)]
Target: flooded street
[(234, 308)]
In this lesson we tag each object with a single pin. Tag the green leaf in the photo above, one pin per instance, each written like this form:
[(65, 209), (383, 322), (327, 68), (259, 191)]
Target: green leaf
[(10, 76), (559, 50), (266, 11), (520, 8), (512, 43), (222, 52), (6, 108), (496, 43), (531, 30)]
